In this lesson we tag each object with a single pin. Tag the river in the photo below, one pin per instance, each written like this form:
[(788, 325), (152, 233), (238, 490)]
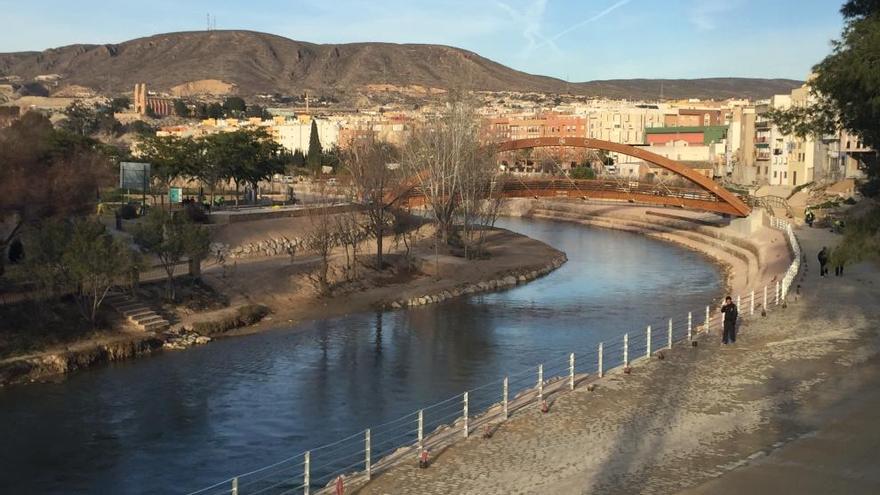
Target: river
[(180, 421)]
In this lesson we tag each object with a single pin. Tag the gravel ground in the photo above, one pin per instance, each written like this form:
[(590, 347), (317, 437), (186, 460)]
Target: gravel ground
[(790, 406)]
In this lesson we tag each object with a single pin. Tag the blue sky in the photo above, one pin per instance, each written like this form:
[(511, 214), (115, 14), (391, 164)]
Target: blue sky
[(575, 40)]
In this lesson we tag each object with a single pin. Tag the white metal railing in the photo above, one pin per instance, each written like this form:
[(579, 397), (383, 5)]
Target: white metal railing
[(353, 460)]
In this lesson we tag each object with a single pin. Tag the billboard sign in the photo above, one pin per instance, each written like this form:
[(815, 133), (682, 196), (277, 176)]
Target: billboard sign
[(134, 175)]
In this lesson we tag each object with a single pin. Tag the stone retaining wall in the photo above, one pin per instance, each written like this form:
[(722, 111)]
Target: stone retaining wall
[(505, 281)]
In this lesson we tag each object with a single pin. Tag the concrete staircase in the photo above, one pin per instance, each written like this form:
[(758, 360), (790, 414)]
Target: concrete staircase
[(137, 312)]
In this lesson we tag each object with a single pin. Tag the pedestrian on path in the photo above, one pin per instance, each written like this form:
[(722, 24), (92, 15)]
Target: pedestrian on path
[(730, 313), (838, 259), (823, 261)]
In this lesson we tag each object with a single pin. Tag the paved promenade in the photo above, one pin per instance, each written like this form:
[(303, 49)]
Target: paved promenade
[(791, 407)]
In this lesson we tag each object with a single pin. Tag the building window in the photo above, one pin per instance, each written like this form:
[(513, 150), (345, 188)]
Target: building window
[(774, 174)]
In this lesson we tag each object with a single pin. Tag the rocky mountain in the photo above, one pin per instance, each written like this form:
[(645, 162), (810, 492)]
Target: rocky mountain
[(258, 63)]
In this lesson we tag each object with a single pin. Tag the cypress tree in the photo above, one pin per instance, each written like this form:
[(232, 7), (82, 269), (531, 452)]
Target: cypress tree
[(313, 158)]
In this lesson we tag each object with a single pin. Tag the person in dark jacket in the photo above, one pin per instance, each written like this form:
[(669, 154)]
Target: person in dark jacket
[(730, 314), (823, 261)]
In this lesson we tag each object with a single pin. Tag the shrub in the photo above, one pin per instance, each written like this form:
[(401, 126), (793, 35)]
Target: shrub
[(252, 313), (196, 213), (127, 212)]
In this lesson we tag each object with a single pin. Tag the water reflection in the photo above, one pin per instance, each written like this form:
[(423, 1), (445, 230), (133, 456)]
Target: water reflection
[(180, 421)]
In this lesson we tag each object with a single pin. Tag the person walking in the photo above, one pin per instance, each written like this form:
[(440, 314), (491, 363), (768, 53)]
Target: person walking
[(730, 313), (837, 259), (823, 261)]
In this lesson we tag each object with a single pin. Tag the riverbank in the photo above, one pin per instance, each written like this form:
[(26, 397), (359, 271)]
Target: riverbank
[(788, 407), (284, 287), (749, 255)]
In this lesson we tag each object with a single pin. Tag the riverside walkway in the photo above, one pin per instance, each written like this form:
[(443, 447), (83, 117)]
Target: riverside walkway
[(791, 407)]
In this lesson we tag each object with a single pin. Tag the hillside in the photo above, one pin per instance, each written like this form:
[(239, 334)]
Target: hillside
[(264, 63)]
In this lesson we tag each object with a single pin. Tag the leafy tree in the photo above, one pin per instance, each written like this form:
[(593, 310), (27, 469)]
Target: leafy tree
[(78, 257), (141, 127), (582, 172), (119, 104), (846, 87), (170, 157), (245, 156), (313, 158), (171, 237), (180, 109), (201, 110), (332, 157), (298, 160), (107, 123), (81, 119), (234, 106), (95, 262), (257, 111), (214, 111), (46, 173)]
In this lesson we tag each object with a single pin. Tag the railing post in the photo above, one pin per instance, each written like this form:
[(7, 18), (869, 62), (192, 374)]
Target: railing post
[(626, 349), (540, 382), (601, 370), (504, 397), (738, 303), (465, 414), (707, 319), (764, 307), (777, 293), (367, 464), (648, 342), (234, 486), (752, 308), (669, 343), (421, 430), (306, 480), (690, 325), (571, 371)]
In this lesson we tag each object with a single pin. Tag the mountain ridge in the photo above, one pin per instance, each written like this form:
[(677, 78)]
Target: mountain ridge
[(267, 63)]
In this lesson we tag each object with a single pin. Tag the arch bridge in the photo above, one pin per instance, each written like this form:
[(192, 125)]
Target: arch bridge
[(707, 196)]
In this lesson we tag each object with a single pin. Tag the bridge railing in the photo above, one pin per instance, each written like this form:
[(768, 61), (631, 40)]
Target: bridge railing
[(353, 460)]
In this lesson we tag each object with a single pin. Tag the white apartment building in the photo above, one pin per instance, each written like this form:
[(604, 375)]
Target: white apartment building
[(295, 135)]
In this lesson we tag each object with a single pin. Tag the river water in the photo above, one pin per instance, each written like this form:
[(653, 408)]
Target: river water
[(180, 421)]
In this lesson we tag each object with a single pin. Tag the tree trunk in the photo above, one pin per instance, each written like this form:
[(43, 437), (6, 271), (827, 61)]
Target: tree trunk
[(379, 236)]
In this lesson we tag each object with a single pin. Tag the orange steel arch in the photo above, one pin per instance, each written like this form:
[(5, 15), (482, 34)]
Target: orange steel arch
[(735, 204)]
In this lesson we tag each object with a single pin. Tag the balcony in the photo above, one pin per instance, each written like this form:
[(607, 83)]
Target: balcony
[(763, 156), (764, 124)]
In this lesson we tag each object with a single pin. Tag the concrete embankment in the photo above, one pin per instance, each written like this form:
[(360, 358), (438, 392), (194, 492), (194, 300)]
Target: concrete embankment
[(751, 253)]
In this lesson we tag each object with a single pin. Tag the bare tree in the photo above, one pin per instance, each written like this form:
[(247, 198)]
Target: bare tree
[(320, 240), (376, 179), (349, 235), (434, 157), (480, 199)]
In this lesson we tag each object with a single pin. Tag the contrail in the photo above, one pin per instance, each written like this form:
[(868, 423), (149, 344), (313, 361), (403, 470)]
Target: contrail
[(581, 24)]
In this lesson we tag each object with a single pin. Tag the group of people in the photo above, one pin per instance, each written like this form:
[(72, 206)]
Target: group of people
[(826, 257)]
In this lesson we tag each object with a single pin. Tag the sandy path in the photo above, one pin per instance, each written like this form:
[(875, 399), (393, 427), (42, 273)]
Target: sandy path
[(703, 415)]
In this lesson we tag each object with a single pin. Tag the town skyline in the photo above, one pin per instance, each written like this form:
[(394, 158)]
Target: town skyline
[(576, 42)]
